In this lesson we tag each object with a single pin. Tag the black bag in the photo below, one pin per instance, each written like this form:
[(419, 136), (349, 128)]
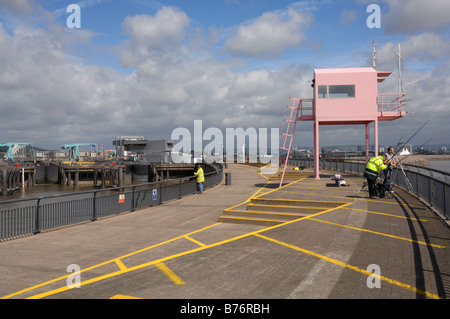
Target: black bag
[(380, 190)]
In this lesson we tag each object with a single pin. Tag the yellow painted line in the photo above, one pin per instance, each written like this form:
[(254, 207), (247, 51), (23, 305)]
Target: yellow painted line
[(159, 244), (131, 254), (123, 297), (54, 280), (110, 275), (255, 170), (265, 213), (345, 265), (249, 199), (337, 189), (378, 233), (86, 282), (195, 241), (280, 188), (104, 263), (281, 206), (168, 241), (258, 191), (298, 201), (254, 219), (355, 198), (120, 264), (169, 273), (390, 215)]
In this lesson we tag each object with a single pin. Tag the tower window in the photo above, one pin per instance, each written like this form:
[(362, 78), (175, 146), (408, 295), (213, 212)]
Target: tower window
[(341, 91)]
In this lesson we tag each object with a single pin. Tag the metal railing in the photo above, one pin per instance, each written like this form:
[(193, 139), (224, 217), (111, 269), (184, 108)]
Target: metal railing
[(22, 217), (431, 185), (390, 102)]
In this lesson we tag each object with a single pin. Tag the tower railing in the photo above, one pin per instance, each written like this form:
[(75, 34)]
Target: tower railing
[(391, 105)]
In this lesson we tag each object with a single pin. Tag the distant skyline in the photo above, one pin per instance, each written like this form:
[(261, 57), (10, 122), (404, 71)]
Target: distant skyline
[(145, 68)]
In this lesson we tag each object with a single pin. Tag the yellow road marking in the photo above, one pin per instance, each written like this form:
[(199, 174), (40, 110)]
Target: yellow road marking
[(169, 273), (377, 233), (159, 262), (195, 241), (279, 206), (110, 275), (280, 188), (337, 189), (86, 282), (120, 264), (254, 219), (345, 265), (366, 199), (123, 297), (390, 215), (104, 263), (265, 213)]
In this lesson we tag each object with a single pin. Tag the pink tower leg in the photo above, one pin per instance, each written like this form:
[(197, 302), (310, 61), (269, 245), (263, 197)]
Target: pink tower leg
[(316, 150), (367, 142), (376, 137)]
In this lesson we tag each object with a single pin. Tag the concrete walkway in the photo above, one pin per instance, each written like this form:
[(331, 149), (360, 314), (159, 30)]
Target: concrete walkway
[(350, 248)]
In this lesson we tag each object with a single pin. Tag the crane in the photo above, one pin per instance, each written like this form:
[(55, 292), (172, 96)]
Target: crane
[(74, 149), (12, 149)]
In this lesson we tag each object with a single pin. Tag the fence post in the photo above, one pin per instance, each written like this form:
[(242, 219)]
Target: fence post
[(94, 211), (133, 208), (36, 224), (160, 193)]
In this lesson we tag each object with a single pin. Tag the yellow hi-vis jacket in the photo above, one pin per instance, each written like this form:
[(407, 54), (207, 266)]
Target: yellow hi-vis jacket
[(200, 175), (376, 164)]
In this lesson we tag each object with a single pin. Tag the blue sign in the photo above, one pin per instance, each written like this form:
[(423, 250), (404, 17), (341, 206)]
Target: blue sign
[(154, 194)]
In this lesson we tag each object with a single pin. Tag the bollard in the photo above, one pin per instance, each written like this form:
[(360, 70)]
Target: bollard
[(227, 178)]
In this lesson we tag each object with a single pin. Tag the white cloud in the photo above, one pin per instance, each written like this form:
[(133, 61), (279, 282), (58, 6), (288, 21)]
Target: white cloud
[(150, 34), (416, 49), (49, 97), (21, 7), (269, 35), (417, 15)]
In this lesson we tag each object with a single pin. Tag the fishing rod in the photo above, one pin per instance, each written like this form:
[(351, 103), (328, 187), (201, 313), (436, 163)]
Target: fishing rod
[(421, 146), (395, 153)]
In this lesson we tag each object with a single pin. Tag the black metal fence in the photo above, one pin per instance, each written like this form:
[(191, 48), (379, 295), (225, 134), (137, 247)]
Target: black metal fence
[(31, 216), (431, 185)]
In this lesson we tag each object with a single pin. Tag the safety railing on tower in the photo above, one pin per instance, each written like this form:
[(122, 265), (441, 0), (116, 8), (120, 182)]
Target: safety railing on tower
[(390, 106)]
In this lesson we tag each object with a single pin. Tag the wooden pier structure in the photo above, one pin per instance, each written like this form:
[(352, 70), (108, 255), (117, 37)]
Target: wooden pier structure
[(13, 179), (93, 174), (100, 175)]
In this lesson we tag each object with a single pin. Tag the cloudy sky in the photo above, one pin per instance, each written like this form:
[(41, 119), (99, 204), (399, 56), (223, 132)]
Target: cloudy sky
[(144, 68)]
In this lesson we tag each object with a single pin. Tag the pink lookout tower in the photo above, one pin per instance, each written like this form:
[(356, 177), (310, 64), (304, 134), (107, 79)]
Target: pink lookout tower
[(346, 96)]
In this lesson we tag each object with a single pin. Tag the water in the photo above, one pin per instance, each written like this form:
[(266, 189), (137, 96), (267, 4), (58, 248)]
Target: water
[(440, 165), (45, 190)]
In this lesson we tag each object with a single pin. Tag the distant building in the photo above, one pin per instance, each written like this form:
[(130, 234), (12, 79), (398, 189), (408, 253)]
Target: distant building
[(404, 149), (138, 148)]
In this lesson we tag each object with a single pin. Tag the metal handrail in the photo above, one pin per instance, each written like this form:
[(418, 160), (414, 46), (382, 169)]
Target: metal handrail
[(28, 216)]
